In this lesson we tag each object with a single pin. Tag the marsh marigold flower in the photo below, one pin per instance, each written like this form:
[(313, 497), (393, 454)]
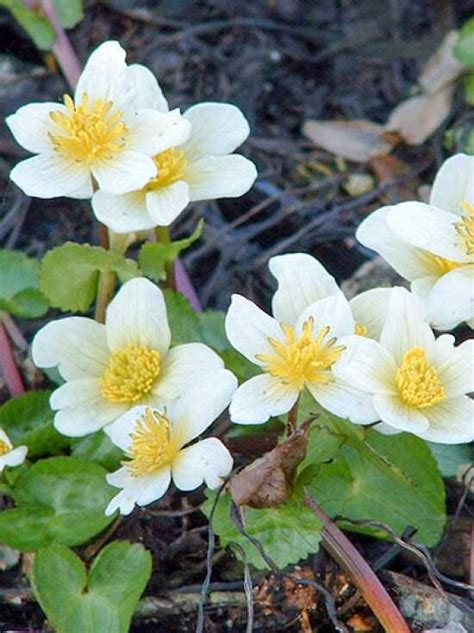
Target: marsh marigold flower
[(9, 455)]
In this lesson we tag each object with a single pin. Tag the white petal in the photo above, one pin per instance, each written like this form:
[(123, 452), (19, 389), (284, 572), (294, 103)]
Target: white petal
[(454, 184), (215, 177), (248, 329), (386, 429), (366, 365), (122, 214), (14, 458), (137, 315), (4, 438), (75, 392), (138, 490), (395, 413), (153, 132), (342, 399), (205, 462), (428, 228), (201, 403), (51, 176), (333, 312), (421, 288), (455, 365), (101, 73), (217, 129), (164, 205), (31, 123), (126, 172), (369, 309), (120, 430), (451, 421), (76, 344), (408, 261), (183, 365), (87, 417), (302, 280), (451, 300), (139, 89), (260, 398), (405, 327)]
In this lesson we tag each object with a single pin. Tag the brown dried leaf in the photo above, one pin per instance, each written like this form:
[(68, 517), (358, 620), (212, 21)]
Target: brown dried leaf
[(442, 68), (265, 482), (388, 169), (356, 140)]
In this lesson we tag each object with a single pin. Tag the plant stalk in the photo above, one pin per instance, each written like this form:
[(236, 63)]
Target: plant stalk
[(8, 365), (362, 575), (292, 418), (105, 291), (163, 236)]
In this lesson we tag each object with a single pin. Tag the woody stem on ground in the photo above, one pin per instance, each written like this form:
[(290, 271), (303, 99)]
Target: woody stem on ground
[(361, 574)]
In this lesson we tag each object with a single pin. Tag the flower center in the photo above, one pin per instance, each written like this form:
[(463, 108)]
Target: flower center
[(130, 374), (465, 228), (151, 448), (4, 448), (90, 133), (360, 330), (171, 165), (417, 381), (304, 359), (444, 265)]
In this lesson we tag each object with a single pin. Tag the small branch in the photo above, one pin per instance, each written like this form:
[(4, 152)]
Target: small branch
[(364, 578), (8, 365), (104, 294)]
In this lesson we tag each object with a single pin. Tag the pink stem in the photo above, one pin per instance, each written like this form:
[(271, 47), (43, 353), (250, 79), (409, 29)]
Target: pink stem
[(7, 363), (62, 49), (185, 286)]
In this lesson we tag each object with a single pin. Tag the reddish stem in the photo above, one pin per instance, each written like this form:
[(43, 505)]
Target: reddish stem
[(62, 49), (7, 363), (185, 286), (363, 577)]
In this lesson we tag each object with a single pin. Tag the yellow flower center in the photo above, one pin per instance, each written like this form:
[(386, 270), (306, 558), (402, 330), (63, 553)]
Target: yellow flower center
[(465, 228), (151, 448), (297, 361), (130, 374), (4, 448), (360, 330), (417, 381), (171, 165), (90, 133), (444, 265)]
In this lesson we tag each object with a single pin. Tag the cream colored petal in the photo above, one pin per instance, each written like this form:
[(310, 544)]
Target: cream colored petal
[(249, 328), (206, 462), (164, 205), (138, 490), (421, 288), (451, 299), (454, 365), (152, 132), (126, 172), (87, 417), (51, 176), (395, 413), (333, 312), (260, 398), (76, 345), (137, 315), (4, 438), (454, 184), (214, 177), (369, 310), (75, 392), (14, 458), (342, 399), (302, 280), (101, 73), (139, 89), (122, 214), (217, 129), (450, 422), (31, 123)]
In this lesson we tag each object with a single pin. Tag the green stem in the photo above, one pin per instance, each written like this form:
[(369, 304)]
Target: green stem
[(104, 293), (163, 236)]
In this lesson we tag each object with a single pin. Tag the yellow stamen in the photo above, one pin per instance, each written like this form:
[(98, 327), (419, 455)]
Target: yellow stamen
[(305, 359), (4, 448), (171, 165), (151, 448), (444, 265), (360, 330), (130, 374), (465, 228), (417, 381), (88, 133)]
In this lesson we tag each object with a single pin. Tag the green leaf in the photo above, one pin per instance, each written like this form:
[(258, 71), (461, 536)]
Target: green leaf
[(464, 47), (154, 256), (70, 273), (451, 457), (59, 499), (287, 533), (98, 447), (19, 293), (103, 599), (469, 89), (28, 420), (37, 26), (69, 12)]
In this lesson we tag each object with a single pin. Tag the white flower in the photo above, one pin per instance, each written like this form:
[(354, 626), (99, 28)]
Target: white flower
[(199, 168), (155, 442), (10, 456), (417, 383), (298, 348), (432, 245), (111, 367), (107, 134)]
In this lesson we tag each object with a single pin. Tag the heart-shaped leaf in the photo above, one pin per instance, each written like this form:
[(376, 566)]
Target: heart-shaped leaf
[(19, 293), (103, 600)]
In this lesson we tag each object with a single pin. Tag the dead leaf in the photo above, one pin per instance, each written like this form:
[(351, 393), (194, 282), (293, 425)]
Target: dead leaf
[(356, 140), (418, 117), (442, 68), (388, 169), (265, 482)]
